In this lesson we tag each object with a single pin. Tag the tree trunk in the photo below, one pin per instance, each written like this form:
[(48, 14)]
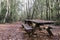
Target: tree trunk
[(6, 11), (47, 7)]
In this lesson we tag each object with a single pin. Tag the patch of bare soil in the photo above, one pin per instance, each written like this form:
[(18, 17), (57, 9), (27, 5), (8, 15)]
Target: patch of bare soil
[(10, 31)]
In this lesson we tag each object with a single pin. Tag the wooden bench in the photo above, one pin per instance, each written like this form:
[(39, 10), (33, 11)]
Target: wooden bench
[(28, 29)]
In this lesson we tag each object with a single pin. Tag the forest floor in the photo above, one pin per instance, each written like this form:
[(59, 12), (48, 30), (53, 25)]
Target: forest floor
[(14, 31)]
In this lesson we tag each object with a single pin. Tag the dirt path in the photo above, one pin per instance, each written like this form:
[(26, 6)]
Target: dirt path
[(10, 31)]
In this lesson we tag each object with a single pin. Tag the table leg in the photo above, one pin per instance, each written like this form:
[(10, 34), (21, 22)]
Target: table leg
[(38, 27), (49, 31)]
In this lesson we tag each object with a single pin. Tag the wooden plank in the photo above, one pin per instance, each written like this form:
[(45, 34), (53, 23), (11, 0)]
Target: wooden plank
[(27, 27), (40, 21)]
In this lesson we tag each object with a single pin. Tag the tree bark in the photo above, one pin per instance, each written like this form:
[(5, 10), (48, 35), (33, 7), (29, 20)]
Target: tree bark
[(6, 11)]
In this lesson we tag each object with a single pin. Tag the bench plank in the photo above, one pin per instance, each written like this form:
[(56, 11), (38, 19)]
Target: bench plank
[(27, 27)]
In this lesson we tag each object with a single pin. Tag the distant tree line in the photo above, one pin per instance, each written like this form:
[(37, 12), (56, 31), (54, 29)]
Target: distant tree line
[(45, 10), (8, 12), (41, 9)]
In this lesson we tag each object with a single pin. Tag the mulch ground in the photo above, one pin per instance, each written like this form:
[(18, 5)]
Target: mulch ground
[(14, 31)]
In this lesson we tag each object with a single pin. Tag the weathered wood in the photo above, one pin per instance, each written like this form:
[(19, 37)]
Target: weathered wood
[(49, 31), (28, 29), (42, 22)]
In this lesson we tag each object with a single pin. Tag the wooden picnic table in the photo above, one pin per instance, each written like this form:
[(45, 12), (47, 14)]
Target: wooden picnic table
[(38, 23), (41, 22)]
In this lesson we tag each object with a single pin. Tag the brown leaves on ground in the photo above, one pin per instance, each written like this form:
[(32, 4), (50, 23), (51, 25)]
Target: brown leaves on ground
[(14, 31)]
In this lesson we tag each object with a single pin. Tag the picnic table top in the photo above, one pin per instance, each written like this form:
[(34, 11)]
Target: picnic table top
[(41, 21)]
